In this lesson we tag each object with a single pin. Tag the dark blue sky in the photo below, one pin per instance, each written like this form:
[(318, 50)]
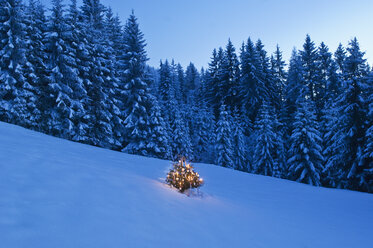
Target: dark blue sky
[(188, 30)]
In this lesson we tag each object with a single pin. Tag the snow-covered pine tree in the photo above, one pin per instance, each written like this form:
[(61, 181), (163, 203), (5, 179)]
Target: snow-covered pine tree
[(367, 158), (324, 61), (181, 140), (36, 72), (202, 124), (265, 75), (110, 88), (329, 122), (203, 133), (191, 83), (180, 81), (279, 76), (202, 91), (266, 142), (253, 89), (331, 116), (190, 89), (114, 34), (309, 57), (114, 31), (158, 145), (166, 95), (223, 143), (63, 76), (214, 95), (166, 91), (100, 77), (305, 163), (174, 77), (347, 144), (15, 91), (294, 85), (114, 50), (340, 57), (240, 159), (153, 76), (138, 98), (34, 48), (229, 77), (333, 83), (76, 39)]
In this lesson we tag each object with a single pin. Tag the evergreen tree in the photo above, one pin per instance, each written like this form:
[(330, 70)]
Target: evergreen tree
[(266, 143), (333, 84), (179, 83), (265, 75), (166, 89), (340, 57), (279, 76), (166, 95), (63, 75), (137, 91), (329, 120), (349, 131), (294, 84), (202, 91), (203, 135), (310, 68), (190, 88), (229, 77), (329, 114), (100, 77), (158, 145), (214, 94), (253, 88), (305, 158), (76, 39), (114, 32), (112, 49), (324, 62), (367, 158), (223, 143), (181, 142), (93, 11), (191, 83), (15, 91), (35, 70), (175, 84), (240, 159)]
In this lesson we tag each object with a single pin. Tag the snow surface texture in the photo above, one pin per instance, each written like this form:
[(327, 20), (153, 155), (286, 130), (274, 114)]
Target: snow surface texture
[(56, 193)]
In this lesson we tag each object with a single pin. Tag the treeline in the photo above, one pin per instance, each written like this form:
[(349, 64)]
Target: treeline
[(80, 74)]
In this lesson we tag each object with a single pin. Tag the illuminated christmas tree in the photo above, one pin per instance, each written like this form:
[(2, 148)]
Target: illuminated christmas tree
[(183, 177)]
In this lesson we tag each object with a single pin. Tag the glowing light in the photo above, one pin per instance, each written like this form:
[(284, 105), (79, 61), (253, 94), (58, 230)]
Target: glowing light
[(183, 177)]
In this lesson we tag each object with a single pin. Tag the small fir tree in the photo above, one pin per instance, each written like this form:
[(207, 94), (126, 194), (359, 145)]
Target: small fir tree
[(183, 176)]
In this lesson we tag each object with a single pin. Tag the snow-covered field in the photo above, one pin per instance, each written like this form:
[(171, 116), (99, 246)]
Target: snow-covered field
[(56, 193)]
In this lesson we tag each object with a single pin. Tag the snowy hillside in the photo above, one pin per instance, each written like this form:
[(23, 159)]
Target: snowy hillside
[(56, 193)]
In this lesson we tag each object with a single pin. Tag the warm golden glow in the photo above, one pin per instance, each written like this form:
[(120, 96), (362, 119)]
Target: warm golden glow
[(183, 177)]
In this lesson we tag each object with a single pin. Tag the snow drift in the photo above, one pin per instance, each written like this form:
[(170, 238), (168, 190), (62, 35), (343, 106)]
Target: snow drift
[(56, 193)]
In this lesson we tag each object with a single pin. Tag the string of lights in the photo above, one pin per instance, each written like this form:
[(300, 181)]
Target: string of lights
[(183, 177)]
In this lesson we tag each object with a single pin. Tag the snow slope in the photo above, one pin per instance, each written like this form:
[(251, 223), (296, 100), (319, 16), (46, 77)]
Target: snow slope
[(56, 193)]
